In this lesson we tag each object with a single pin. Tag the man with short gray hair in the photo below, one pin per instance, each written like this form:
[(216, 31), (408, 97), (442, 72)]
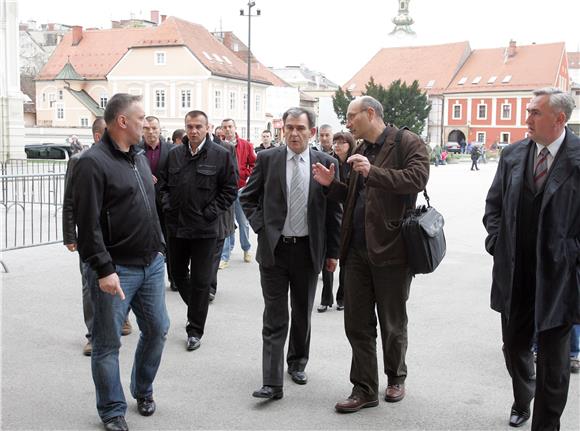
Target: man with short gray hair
[(533, 225)]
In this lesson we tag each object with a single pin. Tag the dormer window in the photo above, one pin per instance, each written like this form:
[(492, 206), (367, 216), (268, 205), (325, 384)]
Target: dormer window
[(430, 84), (506, 79), (491, 79), (159, 58), (476, 80), (462, 80)]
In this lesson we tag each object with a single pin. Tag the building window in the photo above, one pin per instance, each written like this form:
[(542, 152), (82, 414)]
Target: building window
[(481, 137), (258, 103), (60, 95), (456, 112), (44, 97), (217, 99), (84, 122), (233, 100), (104, 100), (244, 102), (51, 99), (185, 99), (160, 99), (159, 58), (60, 111), (244, 134), (135, 91), (482, 112), (505, 137), (506, 111)]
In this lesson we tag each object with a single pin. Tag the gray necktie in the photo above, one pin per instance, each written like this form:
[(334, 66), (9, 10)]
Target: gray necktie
[(297, 208), (541, 171)]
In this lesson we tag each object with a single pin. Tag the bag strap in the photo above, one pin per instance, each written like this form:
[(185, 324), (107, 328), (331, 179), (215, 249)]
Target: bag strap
[(398, 139)]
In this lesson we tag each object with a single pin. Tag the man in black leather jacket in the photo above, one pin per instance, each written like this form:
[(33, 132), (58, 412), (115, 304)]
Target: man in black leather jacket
[(197, 187)]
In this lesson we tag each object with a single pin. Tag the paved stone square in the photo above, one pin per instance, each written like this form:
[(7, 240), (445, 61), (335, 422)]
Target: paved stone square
[(457, 378)]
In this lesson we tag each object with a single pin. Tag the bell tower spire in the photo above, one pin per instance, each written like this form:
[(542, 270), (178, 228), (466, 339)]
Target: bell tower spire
[(403, 21)]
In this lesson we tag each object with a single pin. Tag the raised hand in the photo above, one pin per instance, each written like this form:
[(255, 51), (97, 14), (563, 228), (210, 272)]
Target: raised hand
[(322, 174)]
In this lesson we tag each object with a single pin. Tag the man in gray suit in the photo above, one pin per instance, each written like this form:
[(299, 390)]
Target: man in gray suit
[(298, 233)]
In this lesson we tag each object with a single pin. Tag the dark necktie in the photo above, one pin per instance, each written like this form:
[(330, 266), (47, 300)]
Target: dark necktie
[(541, 170)]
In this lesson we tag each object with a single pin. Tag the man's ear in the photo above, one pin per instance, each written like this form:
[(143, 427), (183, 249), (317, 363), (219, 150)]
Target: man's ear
[(313, 132)]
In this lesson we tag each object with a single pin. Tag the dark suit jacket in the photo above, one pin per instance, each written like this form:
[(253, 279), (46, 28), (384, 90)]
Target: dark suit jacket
[(264, 203), (387, 189), (558, 241), (166, 147)]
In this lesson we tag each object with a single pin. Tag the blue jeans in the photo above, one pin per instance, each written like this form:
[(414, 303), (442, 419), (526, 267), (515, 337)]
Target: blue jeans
[(244, 228), (144, 288), (575, 342)]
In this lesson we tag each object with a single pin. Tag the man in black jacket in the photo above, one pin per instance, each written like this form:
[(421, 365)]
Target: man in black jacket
[(157, 151), (120, 238), (197, 187)]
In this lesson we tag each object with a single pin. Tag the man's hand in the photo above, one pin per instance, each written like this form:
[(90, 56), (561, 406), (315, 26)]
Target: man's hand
[(323, 175), (154, 179), (111, 285), (360, 164), (331, 264), (71, 247)]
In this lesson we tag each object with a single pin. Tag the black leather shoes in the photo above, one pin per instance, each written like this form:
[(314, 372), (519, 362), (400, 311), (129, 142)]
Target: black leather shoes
[(116, 424), (146, 406), (323, 308), (269, 392), (519, 417), (339, 307), (299, 377), (193, 343)]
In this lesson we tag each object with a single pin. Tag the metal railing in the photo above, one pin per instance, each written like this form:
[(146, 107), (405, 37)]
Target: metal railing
[(31, 209), (32, 166)]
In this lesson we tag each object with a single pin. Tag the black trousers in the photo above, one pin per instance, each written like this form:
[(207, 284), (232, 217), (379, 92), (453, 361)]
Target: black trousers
[(294, 270), (327, 284), (385, 289), (550, 386), (219, 245), (192, 262)]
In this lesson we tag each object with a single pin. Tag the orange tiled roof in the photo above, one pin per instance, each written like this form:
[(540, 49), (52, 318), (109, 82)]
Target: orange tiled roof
[(532, 66), (437, 63), (99, 51)]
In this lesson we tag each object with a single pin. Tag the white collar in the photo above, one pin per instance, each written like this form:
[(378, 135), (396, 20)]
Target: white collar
[(554, 146), (304, 155), (198, 149)]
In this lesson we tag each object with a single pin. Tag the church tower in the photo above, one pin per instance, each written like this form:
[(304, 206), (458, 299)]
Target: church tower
[(403, 21)]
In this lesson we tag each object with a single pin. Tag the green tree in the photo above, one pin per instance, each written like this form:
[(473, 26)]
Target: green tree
[(403, 105), (340, 102)]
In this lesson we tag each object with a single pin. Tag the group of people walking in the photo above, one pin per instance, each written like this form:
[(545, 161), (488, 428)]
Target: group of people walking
[(311, 210)]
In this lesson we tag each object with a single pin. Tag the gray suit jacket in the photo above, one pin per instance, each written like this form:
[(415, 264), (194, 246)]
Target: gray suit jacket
[(264, 203)]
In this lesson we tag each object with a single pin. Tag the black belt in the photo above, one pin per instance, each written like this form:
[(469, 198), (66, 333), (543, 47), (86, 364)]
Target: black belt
[(293, 239)]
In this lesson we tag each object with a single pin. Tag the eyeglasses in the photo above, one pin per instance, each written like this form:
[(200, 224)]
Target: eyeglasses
[(351, 115), (340, 143)]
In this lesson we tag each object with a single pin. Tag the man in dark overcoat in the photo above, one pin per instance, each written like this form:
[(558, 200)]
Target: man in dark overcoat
[(532, 217)]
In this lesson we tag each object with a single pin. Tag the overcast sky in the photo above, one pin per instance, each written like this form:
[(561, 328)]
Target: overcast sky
[(338, 37)]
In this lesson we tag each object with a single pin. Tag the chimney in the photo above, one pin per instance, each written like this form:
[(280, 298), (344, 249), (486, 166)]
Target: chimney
[(155, 16), (77, 34), (512, 48), (163, 18)]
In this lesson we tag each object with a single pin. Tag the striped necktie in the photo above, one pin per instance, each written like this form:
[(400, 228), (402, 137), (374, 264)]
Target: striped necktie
[(541, 171), (297, 208)]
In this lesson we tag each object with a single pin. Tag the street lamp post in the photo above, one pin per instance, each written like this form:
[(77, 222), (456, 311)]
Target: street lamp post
[(251, 4)]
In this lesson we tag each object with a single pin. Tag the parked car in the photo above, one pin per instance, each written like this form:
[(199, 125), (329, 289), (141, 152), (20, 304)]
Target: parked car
[(453, 147), (48, 151)]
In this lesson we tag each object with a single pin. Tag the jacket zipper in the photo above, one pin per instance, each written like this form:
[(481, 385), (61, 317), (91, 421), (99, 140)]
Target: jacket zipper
[(110, 227), (142, 189)]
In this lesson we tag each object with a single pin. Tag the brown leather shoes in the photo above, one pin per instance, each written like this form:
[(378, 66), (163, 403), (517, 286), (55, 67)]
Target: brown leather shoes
[(354, 403), (395, 393)]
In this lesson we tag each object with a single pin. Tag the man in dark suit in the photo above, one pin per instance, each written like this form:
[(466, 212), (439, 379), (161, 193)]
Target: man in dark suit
[(532, 217), (380, 189), (157, 151), (298, 232)]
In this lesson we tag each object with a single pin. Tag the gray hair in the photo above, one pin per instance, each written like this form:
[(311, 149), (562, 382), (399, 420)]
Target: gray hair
[(558, 100), (117, 105), (371, 102), (325, 126), (297, 112)]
